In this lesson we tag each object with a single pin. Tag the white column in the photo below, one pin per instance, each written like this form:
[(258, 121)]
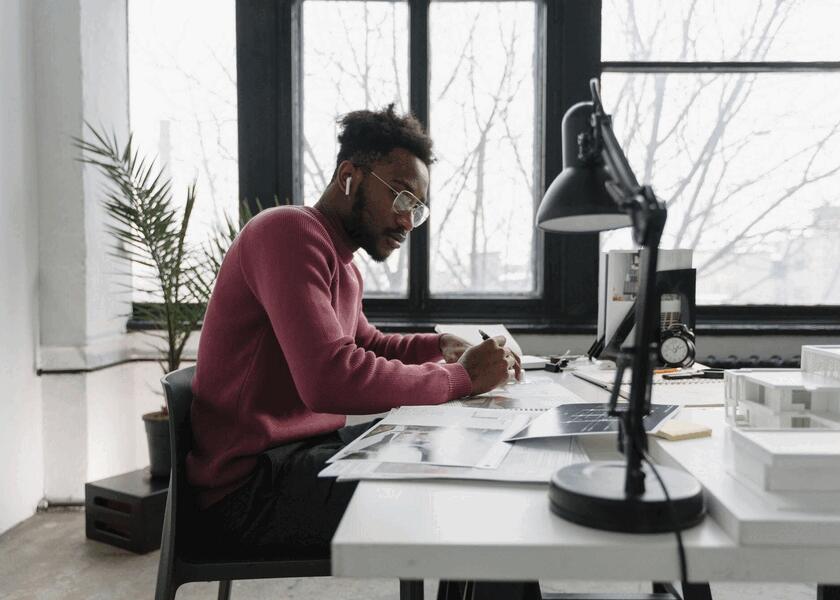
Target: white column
[(81, 75)]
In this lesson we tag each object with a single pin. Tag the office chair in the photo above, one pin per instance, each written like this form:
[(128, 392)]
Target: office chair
[(182, 560)]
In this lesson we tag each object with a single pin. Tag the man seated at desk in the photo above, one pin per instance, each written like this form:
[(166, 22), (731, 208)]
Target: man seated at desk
[(286, 350)]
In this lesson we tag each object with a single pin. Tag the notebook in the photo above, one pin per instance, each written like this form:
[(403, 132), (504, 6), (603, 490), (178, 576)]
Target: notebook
[(685, 392)]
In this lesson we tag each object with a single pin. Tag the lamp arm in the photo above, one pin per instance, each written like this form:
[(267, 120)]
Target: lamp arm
[(611, 152), (636, 200), (648, 215)]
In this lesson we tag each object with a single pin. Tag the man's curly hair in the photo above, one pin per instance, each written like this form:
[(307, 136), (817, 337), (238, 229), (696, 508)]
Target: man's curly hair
[(368, 136)]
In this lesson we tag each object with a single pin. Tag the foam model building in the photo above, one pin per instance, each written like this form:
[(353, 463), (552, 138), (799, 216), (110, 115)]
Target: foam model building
[(785, 423), (806, 398)]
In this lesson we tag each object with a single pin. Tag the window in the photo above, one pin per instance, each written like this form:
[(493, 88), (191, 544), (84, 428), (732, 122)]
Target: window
[(355, 55), (482, 70), (478, 75), (183, 103), (726, 109), (482, 119)]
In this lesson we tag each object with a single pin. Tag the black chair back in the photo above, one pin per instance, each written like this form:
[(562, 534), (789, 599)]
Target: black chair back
[(177, 388), (182, 555)]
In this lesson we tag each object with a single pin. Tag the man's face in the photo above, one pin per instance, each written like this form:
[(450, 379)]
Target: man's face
[(372, 222)]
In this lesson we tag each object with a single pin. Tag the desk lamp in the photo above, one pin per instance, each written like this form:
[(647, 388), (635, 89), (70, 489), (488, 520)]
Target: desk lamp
[(597, 191)]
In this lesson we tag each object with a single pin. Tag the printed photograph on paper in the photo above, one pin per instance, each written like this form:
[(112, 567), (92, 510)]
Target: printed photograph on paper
[(423, 444)]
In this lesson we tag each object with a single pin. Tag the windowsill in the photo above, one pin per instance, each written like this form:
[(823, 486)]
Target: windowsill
[(760, 329), (703, 328), (133, 346)]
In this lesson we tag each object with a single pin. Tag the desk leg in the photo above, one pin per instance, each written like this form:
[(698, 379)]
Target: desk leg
[(828, 592), (691, 591), (505, 590), (449, 589), (665, 588), (696, 591), (411, 589)]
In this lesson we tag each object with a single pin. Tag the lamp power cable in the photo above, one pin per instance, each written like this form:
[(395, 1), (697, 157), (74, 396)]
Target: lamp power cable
[(672, 516)]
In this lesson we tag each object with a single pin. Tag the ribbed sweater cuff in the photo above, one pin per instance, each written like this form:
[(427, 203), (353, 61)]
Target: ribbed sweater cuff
[(459, 381)]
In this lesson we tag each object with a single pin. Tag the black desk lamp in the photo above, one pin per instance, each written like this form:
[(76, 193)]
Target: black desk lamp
[(597, 191)]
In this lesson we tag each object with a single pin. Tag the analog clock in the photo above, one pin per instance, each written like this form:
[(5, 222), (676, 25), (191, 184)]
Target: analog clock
[(676, 346)]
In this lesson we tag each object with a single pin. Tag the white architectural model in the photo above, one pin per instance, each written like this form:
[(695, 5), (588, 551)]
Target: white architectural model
[(806, 398), (785, 424)]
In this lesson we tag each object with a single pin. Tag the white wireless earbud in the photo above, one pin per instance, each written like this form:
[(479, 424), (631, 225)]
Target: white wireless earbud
[(347, 186)]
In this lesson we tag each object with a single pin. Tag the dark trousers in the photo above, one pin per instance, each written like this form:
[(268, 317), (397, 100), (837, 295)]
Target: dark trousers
[(284, 507)]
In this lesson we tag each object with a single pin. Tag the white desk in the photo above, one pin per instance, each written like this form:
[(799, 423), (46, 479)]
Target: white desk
[(495, 531)]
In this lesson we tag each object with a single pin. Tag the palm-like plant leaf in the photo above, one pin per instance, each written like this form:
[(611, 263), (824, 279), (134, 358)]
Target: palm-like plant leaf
[(149, 232)]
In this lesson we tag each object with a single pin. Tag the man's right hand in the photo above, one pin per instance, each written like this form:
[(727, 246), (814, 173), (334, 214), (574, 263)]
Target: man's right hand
[(488, 364)]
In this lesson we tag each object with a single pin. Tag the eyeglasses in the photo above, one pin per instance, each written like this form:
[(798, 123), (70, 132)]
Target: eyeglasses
[(405, 202)]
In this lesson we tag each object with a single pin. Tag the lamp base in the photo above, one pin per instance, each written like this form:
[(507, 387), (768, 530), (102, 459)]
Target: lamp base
[(592, 494)]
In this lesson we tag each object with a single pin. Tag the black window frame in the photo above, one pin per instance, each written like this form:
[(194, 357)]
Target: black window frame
[(748, 319), (269, 81), (269, 75)]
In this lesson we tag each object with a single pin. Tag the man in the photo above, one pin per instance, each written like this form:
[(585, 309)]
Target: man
[(286, 351)]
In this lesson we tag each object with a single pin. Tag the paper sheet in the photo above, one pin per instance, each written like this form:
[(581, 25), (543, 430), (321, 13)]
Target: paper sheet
[(471, 334), (434, 435), (536, 385)]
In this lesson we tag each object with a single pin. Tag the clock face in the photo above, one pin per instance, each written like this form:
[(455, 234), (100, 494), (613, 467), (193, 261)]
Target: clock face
[(674, 350)]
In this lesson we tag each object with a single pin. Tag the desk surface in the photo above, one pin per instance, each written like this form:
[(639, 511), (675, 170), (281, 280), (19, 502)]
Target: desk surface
[(498, 531)]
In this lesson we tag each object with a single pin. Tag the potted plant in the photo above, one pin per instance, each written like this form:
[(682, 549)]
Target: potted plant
[(150, 233)]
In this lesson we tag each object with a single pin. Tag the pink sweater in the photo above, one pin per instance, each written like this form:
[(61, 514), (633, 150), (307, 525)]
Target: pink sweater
[(286, 352)]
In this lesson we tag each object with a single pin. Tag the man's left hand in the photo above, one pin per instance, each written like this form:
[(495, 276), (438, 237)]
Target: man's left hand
[(452, 347)]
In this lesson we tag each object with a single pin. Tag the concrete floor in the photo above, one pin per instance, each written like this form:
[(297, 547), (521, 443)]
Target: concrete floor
[(47, 557)]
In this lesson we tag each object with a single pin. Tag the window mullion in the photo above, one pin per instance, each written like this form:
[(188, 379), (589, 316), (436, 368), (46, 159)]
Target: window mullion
[(268, 90), (418, 260), (572, 58)]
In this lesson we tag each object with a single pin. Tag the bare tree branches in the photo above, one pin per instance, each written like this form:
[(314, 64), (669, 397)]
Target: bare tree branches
[(709, 196)]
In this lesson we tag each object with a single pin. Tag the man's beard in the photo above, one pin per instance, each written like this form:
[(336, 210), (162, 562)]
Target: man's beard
[(359, 229)]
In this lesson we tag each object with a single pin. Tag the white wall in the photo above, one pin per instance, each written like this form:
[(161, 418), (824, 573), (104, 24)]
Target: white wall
[(62, 62), (21, 442)]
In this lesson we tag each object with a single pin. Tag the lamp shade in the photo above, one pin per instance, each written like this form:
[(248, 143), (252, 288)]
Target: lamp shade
[(577, 200)]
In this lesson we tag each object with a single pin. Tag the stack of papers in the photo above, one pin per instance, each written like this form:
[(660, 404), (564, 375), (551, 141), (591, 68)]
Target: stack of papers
[(455, 442), (531, 461)]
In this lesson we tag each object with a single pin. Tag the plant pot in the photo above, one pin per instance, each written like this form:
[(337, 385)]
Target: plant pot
[(157, 432)]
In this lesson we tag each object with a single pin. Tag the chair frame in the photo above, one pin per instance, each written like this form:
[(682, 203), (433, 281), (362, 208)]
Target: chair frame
[(175, 569)]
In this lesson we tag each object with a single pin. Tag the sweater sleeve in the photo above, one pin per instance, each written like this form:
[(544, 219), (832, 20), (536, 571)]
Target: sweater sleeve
[(415, 348), (289, 266)]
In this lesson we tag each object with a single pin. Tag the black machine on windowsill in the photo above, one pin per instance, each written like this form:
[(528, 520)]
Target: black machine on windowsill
[(597, 191), (675, 294)]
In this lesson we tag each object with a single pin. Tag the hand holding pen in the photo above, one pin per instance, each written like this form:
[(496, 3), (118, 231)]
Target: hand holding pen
[(510, 355)]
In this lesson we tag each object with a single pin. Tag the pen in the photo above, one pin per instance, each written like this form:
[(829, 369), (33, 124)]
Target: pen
[(484, 336), (669, 370), (704, 374)]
